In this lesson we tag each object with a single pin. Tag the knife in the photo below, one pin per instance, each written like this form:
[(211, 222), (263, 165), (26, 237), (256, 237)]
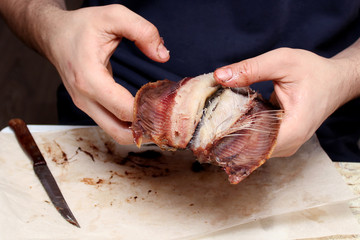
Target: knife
[(41, 169)]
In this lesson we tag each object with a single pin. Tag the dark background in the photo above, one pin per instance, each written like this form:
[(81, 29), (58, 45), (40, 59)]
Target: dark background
[(28, 82)]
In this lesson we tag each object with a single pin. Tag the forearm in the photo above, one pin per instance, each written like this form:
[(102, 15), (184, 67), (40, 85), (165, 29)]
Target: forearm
[(29, 20), (349, 61)]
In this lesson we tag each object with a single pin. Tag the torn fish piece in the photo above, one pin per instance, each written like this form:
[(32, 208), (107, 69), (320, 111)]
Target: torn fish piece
[(230, 127)]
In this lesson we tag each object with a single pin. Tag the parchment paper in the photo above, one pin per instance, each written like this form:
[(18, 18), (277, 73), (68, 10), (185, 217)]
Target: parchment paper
[(115, 195)]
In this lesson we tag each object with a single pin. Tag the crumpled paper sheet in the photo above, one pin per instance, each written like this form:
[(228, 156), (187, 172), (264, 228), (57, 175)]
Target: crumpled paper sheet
[(115, 195), (319, 222)]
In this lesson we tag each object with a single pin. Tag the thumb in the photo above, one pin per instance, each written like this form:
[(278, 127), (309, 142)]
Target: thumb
[(267, 66), (137, 29)]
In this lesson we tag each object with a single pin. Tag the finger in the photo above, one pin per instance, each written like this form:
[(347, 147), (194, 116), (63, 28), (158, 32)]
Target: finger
[(109, 68), (286, 145), (293, 132), (268, 66), (111, 95), (119, 130), (137, 29)]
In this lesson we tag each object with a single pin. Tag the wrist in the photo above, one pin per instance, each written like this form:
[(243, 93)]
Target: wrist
[(30, 20), (348, 63), (41, 23), (348, 77)]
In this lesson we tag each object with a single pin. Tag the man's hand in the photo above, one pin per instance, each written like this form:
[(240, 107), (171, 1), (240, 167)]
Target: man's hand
[(79, 44), (307, 87)]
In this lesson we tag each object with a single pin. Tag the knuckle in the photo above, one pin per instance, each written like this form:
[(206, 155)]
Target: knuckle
[(292, 151), (289, 153), (81, 85), (249, 70), (119, 139), (285, 51), (149, 31), (121, 113), (114, 9), (288, 55), (247, 67), (121, 136), (118, 111), (79, 102), (142, 31), (300, 140)]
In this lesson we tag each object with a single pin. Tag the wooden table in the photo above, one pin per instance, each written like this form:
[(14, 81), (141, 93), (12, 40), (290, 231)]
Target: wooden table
[(351, 174)]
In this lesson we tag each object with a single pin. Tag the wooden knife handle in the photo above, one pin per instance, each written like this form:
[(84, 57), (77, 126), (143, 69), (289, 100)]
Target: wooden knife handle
[(26, 141)]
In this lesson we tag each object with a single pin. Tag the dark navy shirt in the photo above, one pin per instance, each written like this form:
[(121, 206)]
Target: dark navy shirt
[(204, 35)]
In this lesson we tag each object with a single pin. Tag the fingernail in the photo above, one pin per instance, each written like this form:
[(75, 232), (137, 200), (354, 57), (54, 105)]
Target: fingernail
[(162, 51), (224, 74)]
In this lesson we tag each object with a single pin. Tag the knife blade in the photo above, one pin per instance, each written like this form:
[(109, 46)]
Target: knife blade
[(41, 169)]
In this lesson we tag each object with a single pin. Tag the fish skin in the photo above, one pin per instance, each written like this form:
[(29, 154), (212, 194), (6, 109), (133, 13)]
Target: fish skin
[(242, 151), (159, 113), (239, 149)]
